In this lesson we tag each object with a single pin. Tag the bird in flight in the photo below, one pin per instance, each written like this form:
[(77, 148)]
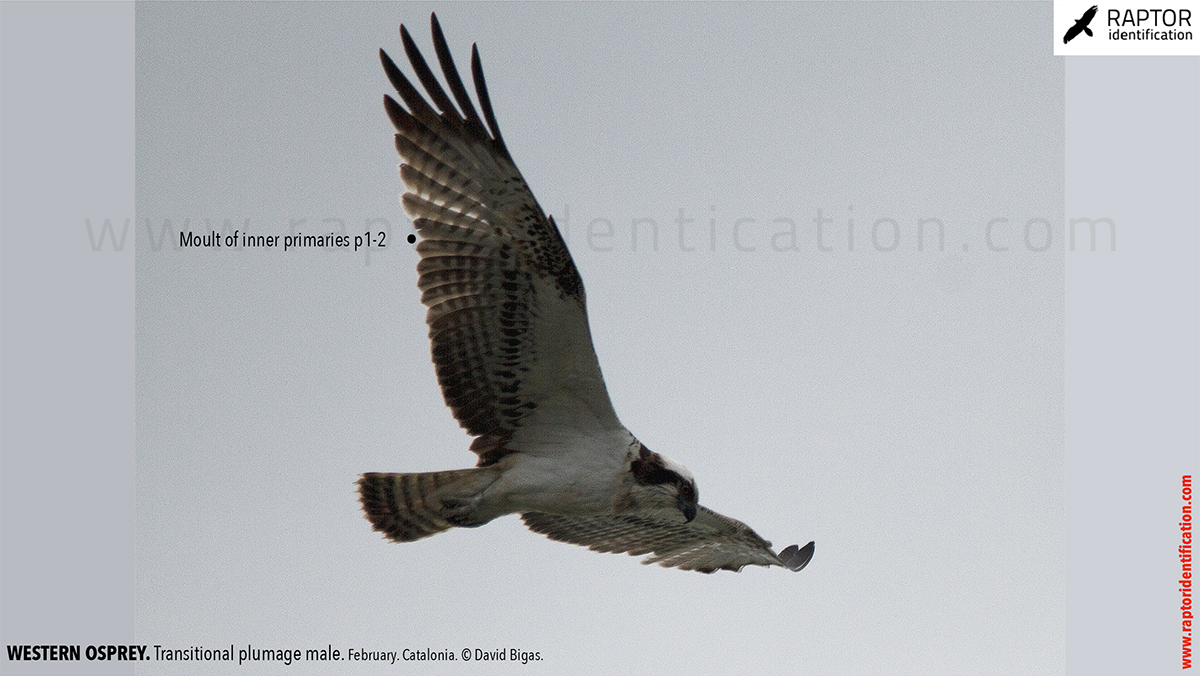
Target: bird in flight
[(1081, 26), (514, 358)]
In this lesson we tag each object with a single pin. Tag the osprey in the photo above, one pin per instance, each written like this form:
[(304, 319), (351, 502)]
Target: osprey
[(514, 358)]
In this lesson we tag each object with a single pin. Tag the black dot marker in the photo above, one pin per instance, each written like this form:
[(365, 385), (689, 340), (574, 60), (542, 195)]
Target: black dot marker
[(412, 238)]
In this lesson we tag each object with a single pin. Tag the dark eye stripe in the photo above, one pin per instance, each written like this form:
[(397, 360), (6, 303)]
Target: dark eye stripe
[(648, 470), (648, 474)]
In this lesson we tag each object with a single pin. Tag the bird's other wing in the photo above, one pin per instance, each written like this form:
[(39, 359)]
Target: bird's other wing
[(507, 315), (1071, 33), (708, 543)]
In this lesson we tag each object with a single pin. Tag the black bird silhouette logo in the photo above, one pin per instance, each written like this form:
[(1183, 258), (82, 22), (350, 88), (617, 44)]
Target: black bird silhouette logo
[(1081, 26)]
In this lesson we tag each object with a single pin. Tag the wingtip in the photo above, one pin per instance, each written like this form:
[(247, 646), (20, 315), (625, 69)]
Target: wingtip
[(795, 558), (410, 45), (389, 67)]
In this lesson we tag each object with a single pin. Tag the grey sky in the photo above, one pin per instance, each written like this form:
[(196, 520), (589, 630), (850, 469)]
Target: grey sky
[(903, 408), (898, 407)]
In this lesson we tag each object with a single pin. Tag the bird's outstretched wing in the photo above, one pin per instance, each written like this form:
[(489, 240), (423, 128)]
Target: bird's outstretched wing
[(507, 315), (708, 543)]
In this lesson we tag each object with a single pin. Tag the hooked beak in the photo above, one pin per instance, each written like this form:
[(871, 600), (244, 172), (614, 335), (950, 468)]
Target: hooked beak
[(688, 509)]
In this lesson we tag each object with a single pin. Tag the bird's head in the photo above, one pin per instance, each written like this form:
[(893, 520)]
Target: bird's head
[(667, 478)]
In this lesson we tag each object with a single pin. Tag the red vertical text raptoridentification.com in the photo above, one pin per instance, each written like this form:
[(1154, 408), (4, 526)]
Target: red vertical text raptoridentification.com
[(1185, 565)]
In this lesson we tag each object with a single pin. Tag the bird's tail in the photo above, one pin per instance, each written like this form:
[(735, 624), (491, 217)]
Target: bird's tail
[(407, 507)]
